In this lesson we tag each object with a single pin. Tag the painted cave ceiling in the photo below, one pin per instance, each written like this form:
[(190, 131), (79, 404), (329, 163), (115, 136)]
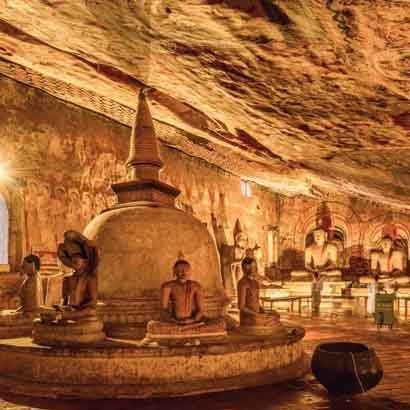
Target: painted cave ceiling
[(303, 96)]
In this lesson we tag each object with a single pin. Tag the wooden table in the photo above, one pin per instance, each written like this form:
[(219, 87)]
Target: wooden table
[(291, 299), (397, 303)]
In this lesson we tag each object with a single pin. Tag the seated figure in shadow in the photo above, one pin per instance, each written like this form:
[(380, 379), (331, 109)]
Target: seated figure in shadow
[(182, 315), (321, 256), (389, 264), (30, 294), (253, 319), (77, 320)]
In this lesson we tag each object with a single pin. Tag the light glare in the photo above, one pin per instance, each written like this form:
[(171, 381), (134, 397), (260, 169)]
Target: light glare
[(4, 175)]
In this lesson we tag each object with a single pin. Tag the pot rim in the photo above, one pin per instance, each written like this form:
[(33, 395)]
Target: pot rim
[(321, 348)]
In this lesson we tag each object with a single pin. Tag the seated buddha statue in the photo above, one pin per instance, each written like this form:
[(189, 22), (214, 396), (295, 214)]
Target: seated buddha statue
[(388, 263), (182, 316), (76, 321), (321, 256), (253, 319), (30, 295)]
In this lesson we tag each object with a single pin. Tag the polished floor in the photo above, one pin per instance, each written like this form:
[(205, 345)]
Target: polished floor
[(393, 393)]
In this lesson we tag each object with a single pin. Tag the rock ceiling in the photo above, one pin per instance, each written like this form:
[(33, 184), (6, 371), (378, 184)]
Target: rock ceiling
[(303, 96)]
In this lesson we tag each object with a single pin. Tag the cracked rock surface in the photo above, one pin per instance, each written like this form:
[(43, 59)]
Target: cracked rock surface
[(313, 95)]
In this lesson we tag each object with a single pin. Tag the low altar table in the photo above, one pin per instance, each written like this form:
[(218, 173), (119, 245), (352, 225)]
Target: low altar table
[(292, 299), (303, 288)]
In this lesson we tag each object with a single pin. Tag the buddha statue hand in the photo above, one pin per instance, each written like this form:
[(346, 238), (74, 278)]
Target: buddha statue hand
[(54, 314), (267, 319), (50, 315)]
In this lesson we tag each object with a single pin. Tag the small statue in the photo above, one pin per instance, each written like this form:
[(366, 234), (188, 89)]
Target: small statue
[(258, 255), (76, 322), (389, 264), (80, 254), (182, 311), (321, 256), (253, 318), (182, 298), (30, 293)]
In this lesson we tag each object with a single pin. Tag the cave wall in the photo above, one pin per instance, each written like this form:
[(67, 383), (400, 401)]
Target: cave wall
[(63, 160)]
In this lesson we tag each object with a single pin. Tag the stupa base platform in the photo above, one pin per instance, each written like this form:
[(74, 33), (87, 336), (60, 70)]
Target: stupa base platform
[(117, 369), (15, 324)]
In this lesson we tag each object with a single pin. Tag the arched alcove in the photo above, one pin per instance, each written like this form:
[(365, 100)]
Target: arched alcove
[(345, 225), (4, 231), (343, 228), (375, 233)]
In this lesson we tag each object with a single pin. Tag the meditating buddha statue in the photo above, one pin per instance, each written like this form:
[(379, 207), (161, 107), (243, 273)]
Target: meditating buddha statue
[(182, 316), (76, 321), (253, 319), (30, 295), (388, 263), (321, 256)]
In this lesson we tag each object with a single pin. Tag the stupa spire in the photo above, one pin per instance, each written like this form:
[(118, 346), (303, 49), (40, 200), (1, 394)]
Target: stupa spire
[(144, 161)]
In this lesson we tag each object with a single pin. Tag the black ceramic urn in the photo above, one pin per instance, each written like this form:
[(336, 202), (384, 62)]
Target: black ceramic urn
[(346, 368)]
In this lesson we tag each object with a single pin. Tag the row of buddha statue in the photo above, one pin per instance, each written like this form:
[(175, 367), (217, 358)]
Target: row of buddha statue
[(323, 257), (182, 315), (182, 309)]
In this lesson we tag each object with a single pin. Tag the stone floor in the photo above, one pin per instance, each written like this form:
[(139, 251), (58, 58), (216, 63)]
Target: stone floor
[(393, 393)]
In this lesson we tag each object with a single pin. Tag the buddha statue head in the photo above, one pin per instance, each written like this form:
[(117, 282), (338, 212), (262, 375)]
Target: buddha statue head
[(241, 240), (30, 265), (386, 244), (249, 266), (78, 253), (182, 270), (319, 236)]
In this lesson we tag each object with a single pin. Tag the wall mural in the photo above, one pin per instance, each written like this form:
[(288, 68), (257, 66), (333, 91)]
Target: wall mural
[(68, 157)]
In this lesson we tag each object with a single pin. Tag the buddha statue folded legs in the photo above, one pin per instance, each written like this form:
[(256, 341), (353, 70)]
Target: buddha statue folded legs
[(321, 256), (205, 328), (182, 316), (253, 319), (76, 322)]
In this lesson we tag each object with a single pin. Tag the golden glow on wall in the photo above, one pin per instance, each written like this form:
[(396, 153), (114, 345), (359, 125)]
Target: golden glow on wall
[(4, 172)]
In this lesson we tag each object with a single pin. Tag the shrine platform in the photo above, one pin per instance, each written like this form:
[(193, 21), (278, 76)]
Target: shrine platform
[(122, 369)]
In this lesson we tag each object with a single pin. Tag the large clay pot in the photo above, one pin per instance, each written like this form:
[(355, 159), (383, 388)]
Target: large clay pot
[(346, 368)]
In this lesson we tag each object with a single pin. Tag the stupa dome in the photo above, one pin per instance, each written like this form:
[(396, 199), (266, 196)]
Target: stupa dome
[(140, 244), (141, 237)]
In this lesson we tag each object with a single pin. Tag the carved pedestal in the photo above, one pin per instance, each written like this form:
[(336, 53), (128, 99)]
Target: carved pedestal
[(68, 333)]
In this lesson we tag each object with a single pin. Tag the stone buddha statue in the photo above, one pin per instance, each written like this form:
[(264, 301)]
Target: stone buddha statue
[(30, 294), (258, 255), (77, 320), (231, 258), (253, 319), (321, 256), (388, 263), (182, 311)]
